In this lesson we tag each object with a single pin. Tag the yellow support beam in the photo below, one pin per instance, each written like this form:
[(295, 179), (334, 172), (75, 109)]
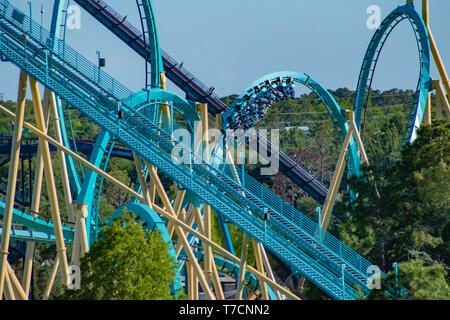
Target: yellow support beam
[(80, 243), (50, 99), (76, 246), (50, 182), (177, 207), (207, 231), (142, 181), (190, 280), (355, 132), (209, 264), (51, 280), (9, 292), (339, 170), (12, 177), (194, 284), (19, 293), (260, 266), (217, 127), (197, 269), (35, 203), (194, 214), (216, 280), (427, 112), (441, 100), (268, 268), (242, 266), (434, 49), (199, 220)]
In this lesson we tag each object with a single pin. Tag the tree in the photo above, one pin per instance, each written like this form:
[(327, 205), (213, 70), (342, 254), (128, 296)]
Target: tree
[(126, 263), (424, 283), (411, 218)]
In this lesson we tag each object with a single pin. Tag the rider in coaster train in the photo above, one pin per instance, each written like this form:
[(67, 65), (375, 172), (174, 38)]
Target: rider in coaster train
[(284, 90), (292, 92)]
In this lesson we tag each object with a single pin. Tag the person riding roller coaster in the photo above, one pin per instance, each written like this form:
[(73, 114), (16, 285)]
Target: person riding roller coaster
[(250, 112)]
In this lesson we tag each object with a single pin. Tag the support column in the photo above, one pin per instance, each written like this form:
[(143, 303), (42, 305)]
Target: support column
[(50, 182), (242, 267), (206, 248), (441, 100), (268, 268), (9, 292), (165, 199), (12, 178), (193, 214), (177, 208), (194, 284), (427, 112), (434, 49), (199, 220), (164, 108), (260, 267), (76, 247), (51, 280), (210, 265), (217, 127), (51, 102), (335, 182), (142, 180), (19, 293), (80, 242), (35, 204), (190, 280)]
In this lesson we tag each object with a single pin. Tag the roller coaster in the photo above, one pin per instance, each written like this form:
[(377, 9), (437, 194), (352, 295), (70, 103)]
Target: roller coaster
[(141, 127)]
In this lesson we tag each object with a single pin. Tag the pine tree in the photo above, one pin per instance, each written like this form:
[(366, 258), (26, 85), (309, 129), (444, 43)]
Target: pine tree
[(126, 263)]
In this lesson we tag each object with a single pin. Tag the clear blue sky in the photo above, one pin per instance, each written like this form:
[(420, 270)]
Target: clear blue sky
[(229, 44)]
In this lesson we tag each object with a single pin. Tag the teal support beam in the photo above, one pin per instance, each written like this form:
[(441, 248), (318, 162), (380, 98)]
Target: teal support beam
[(86, 195), (156, 61), (55, 26), (74, 179)]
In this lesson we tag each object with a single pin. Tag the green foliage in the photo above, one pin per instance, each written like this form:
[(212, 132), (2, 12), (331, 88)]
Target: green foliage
[(236, 235), (126, 263), (411, 218), (308, 206), (424, 283), (114, 197), (383, 145)]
